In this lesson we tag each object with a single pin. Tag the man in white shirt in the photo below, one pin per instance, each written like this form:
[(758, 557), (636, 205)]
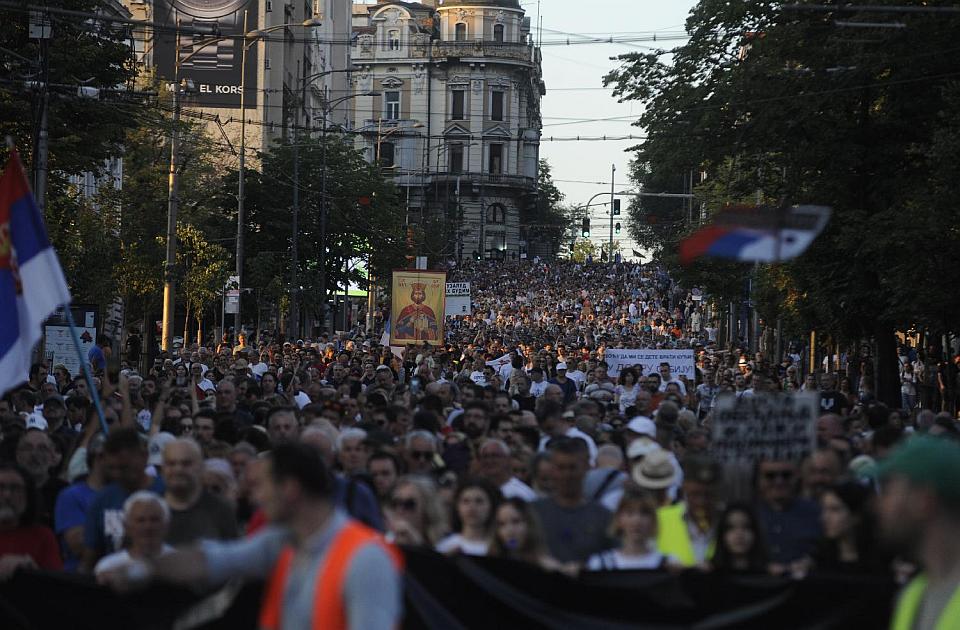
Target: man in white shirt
[(577, 375), (538, 384), (478, 376), (666, 378), (555, 422)]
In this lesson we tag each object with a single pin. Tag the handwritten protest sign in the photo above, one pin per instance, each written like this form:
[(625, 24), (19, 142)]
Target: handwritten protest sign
[(681, 361), (765, 426)]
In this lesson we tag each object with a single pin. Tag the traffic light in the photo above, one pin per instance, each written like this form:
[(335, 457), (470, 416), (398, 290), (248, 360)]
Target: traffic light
[(585, 229), (616, 228), (616, 207)]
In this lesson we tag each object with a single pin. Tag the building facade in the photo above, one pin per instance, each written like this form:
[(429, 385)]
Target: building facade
[(447, 99), (291, 70)]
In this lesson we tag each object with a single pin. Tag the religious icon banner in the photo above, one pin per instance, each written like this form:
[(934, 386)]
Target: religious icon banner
[(417, 307)]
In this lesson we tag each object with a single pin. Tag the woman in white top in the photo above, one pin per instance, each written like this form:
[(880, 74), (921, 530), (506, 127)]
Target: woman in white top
[(474, 506), (635, 525), (626, 392), (146, 519)]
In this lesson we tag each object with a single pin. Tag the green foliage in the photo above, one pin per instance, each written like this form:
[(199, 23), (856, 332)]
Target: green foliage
[(204, 267), (785, 106), (548, 220), (83, 131), (582, 249)]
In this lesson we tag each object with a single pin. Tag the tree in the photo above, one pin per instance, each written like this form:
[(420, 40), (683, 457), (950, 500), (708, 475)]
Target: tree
[(777, 106), (83, 132), (546, 220), (582, 249), (204, 269)]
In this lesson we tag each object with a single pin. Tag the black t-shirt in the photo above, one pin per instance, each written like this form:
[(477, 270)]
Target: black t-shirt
[(833, 402), (211, 517), (133, 347)]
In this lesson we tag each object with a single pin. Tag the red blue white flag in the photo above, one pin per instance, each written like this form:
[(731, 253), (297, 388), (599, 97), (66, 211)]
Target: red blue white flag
[(32, 285), (756, 234)]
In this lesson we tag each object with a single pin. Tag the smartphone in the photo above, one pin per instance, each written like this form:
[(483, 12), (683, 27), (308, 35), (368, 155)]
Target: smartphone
[(416, 385)]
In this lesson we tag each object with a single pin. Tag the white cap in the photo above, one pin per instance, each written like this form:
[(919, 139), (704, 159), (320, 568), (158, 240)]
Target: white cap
[(36, 421), (561, 366), (642, 425), (157, 443), (641, 447)]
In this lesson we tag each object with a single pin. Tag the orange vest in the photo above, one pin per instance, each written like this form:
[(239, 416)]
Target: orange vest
[(329, 612)]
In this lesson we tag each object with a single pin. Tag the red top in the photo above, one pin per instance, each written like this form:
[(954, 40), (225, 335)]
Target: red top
[(36, 541)]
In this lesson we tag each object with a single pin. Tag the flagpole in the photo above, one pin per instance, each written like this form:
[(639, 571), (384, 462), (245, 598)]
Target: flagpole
[(86, 369)]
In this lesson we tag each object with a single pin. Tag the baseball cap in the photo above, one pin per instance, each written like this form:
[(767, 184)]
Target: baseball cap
[(156, 445), (642, 425), (641, 447), (561, 366), (927, 461), (36, 421), (655, 472)]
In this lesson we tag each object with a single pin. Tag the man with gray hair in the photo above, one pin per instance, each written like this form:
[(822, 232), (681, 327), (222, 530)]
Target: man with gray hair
[(146, 519), (352, 452), (195, 513), (497, 467), (420, 451)]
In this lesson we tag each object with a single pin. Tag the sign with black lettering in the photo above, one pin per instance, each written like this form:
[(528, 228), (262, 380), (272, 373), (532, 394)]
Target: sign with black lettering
[(765, 426)]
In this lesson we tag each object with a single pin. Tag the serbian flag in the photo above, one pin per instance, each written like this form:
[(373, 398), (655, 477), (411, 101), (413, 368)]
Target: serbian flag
[(756, 234), (32, 285)]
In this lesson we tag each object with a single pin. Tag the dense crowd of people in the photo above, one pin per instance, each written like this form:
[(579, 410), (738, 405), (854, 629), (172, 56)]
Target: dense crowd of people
[(544, 458)]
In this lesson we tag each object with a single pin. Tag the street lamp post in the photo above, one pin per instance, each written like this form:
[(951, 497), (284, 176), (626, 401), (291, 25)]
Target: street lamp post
[(250, 38)]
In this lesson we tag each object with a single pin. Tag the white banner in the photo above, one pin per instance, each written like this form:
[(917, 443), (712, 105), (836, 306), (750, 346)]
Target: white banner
[(58, 345), (458, 299), (765, 426), (681, 361), (504, 360)]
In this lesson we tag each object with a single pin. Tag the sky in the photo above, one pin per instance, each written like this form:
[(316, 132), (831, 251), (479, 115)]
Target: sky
[(573, 75)]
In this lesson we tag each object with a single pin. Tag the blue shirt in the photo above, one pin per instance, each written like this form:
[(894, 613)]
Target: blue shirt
[(357, 499), (103, 531), (792, 533), (96, 358), (71, 511)]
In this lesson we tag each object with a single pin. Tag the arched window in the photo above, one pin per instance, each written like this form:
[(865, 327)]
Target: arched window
[(496, 213), (460, 32), (393, 40), (498, 33)]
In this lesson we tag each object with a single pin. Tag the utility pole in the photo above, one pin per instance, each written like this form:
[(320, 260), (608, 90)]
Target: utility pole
[(173, 206), (323, 214), (238, 317), (294, 331), (613, 172)]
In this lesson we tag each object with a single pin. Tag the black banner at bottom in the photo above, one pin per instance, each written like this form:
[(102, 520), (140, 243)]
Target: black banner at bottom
[(445, 593)]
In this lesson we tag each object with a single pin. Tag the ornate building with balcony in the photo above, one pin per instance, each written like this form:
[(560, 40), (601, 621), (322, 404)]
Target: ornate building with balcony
[(448, 100)]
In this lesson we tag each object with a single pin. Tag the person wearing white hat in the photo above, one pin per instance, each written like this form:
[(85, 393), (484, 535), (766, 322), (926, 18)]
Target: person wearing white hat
[(568, 386)]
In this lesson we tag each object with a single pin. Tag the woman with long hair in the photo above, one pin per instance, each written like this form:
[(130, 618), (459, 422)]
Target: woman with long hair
[(518, 535), (626, 391), (740, 547), (635, 526), (414, 514), (474, 506), (849, 542)]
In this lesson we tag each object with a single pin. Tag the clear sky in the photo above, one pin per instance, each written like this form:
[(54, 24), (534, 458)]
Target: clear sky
[(569, 69)]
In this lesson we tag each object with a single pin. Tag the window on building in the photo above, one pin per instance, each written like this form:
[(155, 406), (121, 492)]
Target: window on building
[(459, 97), (387, 154), (393, 40), (460, 32), (498, 33), (456, 157), (391, 105), (496, 105), (495, 167), (496, 213)]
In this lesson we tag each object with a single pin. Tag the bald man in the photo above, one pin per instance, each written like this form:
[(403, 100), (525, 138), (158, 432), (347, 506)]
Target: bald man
[(194, 513)]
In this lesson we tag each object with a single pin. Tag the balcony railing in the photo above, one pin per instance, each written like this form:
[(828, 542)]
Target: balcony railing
[(486, 179), (482, 48)]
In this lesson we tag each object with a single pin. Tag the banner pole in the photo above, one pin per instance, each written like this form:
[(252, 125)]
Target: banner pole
[(86, 370)]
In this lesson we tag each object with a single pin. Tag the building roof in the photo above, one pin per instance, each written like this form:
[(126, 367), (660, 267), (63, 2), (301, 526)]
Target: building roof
[(507, 4)]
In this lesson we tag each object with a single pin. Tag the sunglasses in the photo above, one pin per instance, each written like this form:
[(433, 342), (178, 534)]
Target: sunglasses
[(772, 475), (423, 456), (405, 505)]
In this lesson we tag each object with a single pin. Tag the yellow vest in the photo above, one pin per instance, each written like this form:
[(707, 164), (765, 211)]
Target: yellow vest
[(673, 538), (909, 604)]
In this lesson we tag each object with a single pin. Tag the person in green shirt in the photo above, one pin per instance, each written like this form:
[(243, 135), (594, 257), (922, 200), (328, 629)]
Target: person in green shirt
[(920, 517)]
